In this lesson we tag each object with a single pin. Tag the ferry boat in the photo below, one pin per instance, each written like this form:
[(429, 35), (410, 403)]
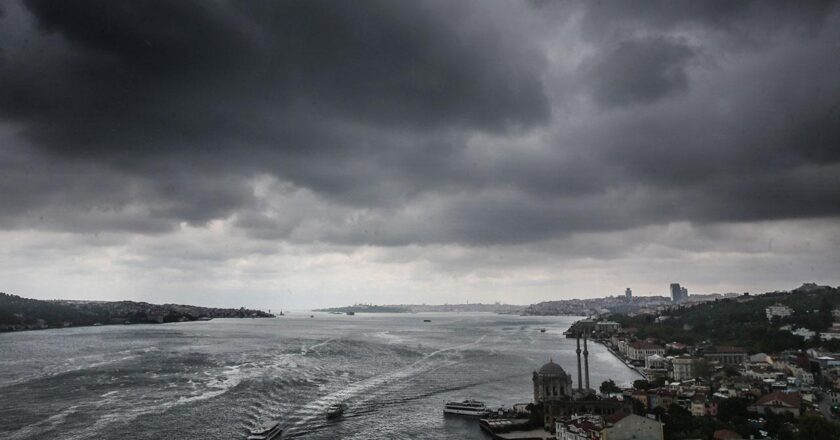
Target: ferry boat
[(266, 431), (336, 410), (467, 407)]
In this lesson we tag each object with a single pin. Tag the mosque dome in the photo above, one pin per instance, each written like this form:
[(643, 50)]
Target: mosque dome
[(551, 369)]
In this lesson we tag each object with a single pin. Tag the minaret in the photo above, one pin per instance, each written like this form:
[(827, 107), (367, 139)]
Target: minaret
[(580, 382), (586, 361)]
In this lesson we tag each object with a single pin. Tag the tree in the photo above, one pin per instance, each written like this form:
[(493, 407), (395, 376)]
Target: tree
[(734, 407), (641, 384), (536, 416), (609, 387), (816, 428), (703, 369)]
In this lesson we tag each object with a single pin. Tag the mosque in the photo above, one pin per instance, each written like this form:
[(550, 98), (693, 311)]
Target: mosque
[(553, 389)]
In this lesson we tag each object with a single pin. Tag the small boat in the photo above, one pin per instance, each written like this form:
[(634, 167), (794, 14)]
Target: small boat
[(266, 431), (542, 330), (351, 313), (466, 408), (311, 316), (336, 410), (427, 320)]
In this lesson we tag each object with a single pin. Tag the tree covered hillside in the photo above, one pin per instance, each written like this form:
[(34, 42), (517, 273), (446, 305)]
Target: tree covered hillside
[(743, 322)]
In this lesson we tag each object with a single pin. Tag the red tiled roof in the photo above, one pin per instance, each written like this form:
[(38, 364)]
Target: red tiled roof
[(728, 349), (725, 434), (791, 400), (644, 345), (617, 416)]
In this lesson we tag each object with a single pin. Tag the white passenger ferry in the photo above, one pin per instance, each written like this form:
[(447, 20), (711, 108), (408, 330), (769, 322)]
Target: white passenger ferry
[(467, 407), (266, 431)]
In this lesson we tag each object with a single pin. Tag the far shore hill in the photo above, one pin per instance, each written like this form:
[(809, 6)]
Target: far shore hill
[(18, 313), (420, 308), (604, 306)]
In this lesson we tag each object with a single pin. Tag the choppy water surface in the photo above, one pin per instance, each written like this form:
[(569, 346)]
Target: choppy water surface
[(216, 379)]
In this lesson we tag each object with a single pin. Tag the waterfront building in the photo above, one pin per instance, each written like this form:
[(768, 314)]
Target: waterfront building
[(726, 355), (553, 390), (608, 327), (551, 382), (779, 310), (628, 293), (640, 350)]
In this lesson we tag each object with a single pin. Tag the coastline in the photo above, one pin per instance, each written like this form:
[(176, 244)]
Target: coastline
[(34, 328), (623, 360)]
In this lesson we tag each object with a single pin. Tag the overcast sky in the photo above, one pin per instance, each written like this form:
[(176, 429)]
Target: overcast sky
[(305, 153)]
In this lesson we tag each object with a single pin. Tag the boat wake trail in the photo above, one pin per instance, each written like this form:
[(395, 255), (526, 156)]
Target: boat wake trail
[(377, 391)]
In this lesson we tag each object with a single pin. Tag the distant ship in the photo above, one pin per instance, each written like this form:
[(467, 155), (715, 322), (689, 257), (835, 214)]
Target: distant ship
[(351, 313), (427, 320), (335, 410), (467, 408), (542, 330), (266, 431)]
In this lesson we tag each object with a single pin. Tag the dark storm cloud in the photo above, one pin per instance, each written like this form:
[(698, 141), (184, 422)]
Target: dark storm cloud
[(162, 75), (639, 71), (750, 18), (394, 123)]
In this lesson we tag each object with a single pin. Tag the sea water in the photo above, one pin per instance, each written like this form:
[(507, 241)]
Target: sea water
[(216, 379)]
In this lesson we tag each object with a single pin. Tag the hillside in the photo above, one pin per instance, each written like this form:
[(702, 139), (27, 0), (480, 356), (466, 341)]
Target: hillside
[(18, 313), (742, 321)]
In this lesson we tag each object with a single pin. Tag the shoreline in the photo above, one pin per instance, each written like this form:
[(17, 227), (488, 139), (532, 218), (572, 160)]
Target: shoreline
[(621, 358), (20, 330)]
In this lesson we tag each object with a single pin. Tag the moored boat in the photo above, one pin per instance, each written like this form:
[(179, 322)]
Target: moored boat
[(467, 408)]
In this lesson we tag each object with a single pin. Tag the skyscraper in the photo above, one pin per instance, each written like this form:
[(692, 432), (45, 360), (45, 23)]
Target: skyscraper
[(628, 293), (676, 292)]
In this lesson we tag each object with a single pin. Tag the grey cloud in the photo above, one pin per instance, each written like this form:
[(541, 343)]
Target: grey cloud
[(639, 71), (412, 123), (184, 76)]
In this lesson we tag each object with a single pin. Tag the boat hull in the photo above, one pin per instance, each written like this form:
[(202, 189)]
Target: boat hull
[(274, 434), (465, 412)]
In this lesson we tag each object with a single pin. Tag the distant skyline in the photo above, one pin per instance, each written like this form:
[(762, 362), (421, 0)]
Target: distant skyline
[(310, 154)]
